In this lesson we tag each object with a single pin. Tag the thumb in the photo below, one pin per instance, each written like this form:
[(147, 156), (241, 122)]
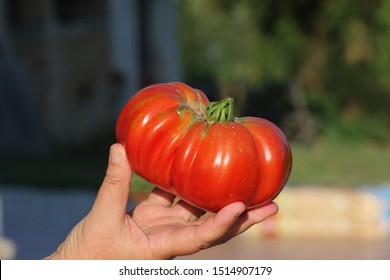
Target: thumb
[(111, 201)]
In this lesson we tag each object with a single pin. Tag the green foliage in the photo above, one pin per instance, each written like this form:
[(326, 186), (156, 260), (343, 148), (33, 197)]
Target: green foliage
[(225, 43), (381, 42), (337, 51)]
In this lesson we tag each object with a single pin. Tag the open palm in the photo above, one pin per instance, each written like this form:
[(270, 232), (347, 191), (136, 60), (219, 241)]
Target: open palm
[(161, 227)]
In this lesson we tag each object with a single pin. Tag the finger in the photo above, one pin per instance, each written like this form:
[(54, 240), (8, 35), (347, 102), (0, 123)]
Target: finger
[(219, 225), (161, 197), (254, 216), (259, 214), (112, 198), (209, 233), (187, 211)]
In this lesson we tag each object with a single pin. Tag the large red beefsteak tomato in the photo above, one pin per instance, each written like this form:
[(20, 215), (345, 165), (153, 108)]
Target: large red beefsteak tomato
[(179, 141)]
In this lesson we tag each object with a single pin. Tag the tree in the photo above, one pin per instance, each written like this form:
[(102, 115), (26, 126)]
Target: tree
[(336, 53)]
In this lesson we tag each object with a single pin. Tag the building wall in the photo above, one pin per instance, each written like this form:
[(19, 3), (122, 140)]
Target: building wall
[(86, 58)]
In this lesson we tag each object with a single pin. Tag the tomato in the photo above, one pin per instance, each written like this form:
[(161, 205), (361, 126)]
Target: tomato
[(182, 143)]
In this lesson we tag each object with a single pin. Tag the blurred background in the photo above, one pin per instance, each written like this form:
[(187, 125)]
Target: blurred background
[(318, 69)]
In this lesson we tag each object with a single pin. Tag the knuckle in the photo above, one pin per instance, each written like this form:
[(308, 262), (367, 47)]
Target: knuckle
[(112, 179)]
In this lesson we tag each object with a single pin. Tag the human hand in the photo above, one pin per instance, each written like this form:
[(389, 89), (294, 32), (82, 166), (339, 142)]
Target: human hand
[(158, 228)]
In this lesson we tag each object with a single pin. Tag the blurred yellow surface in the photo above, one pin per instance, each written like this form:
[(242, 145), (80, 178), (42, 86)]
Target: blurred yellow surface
[(317, 222)]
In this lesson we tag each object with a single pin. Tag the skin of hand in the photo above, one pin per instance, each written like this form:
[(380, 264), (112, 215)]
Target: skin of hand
[(161, 227)]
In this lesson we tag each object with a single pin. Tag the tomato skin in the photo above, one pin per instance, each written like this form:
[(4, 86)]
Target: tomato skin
[(171, 143), (214, 172), (275, 156)]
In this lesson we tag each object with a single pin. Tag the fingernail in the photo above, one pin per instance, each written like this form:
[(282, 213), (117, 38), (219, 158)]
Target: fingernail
[(115, 155)]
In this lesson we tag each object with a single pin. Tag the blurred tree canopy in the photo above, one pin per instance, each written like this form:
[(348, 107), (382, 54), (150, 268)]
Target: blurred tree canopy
[(331, 56)]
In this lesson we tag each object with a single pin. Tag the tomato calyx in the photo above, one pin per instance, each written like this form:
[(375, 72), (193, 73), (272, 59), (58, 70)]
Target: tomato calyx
[(220, 111), (217, 111)]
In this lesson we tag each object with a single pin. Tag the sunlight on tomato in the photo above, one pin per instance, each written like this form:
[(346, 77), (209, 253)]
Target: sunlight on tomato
[(198, 150)]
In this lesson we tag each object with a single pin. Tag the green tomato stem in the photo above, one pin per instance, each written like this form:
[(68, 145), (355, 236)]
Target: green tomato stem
[(220, 111)]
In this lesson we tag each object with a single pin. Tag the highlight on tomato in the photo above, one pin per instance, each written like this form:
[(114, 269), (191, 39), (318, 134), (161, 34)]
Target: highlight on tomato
[(199, 151)]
